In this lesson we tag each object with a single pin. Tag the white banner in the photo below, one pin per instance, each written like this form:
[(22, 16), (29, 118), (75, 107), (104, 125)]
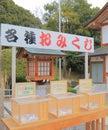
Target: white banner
[(19, 36)]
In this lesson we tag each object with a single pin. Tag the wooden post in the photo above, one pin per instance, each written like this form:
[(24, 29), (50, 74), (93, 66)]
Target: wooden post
[(97, 124), (64, 67), (88, 126), (93, 125), (59, 68), (1, 91), (103, 124), (13, 69), (86, 65)]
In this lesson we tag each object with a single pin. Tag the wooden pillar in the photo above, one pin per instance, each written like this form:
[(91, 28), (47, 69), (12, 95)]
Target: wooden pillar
[(93, 125), (103, 124), (13, 69), (64, 67), (86, 65), (88, 126), (59, 68), (97, 124)]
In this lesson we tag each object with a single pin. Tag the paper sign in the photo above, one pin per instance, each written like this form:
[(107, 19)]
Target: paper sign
[(85, 84), (25, 89), (58, 87)]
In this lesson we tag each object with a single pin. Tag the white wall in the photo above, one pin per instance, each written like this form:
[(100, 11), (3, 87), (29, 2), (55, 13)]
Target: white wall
[(106, 64), (105, 34)]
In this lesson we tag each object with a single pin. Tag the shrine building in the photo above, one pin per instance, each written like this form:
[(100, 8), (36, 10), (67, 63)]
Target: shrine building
[(40, 62), (99, 59)]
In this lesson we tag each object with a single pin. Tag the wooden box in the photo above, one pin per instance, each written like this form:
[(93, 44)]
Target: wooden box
[(92, 100), (64, 104), (29, 109)]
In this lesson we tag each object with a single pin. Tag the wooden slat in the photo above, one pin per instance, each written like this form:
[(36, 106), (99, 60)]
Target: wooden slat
[(93, 125), (88, 126), (97, 124), (103, 124)]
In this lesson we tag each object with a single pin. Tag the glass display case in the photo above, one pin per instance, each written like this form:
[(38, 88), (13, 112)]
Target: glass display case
[(64, 104), (93, 99), (29, 109)]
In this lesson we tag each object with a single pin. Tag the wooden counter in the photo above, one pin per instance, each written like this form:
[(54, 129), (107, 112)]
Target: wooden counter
[(62, 122)]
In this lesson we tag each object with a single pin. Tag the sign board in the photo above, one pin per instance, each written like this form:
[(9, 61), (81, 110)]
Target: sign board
[(85, 84), (25, 89), (58, 87), (19, 36)]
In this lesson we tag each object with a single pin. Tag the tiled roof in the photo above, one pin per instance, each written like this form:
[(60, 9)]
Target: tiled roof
[(99, 51), (44, 51)]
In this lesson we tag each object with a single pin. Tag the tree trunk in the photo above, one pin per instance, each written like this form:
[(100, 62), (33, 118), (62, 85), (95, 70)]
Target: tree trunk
[(1, 91)]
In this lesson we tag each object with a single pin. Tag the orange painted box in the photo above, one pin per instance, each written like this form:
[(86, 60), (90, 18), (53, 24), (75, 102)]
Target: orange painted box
[(64, 104), (29, 109), (92, 99)]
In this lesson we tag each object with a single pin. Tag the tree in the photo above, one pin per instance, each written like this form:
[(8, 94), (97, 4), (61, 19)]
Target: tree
[(13, 14), (1, 92), (74, 14)]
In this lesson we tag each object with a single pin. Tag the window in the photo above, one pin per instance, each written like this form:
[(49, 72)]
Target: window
[(43, 68), (31, 68)]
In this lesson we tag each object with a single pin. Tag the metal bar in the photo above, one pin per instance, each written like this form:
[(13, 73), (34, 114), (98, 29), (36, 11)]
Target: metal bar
[(59, 15), (59, 3)]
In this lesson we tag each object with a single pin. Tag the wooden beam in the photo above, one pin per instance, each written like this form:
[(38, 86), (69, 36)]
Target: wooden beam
[(103, 24)]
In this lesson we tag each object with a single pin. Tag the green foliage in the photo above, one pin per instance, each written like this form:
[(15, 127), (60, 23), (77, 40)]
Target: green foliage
[(74, 14), (75, 63), (56, 78), (13, 14), (21, 70), (7, 64), (72, 90)]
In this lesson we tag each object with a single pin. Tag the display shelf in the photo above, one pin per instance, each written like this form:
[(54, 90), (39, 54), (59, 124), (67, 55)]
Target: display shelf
[(29, 109), (92, 99), (64, 104)]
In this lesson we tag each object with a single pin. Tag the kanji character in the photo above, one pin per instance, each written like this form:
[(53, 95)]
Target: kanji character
[(11, 37), (30, 37)]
